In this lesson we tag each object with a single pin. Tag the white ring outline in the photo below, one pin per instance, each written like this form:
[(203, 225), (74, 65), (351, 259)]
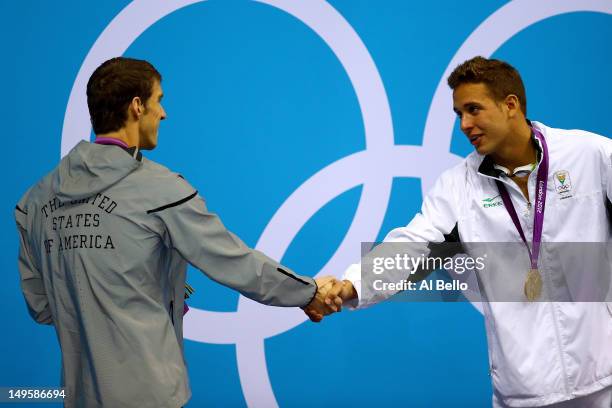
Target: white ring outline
[(437, 126), (400, 155)]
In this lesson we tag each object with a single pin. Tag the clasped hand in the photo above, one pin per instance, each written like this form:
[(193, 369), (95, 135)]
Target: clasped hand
[(331, 293)]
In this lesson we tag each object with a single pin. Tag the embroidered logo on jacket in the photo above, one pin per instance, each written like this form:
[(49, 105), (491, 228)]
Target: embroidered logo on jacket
[(563, 184), (490, 202)]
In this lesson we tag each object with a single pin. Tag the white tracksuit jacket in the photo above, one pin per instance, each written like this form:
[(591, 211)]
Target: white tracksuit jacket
[(543, 352)]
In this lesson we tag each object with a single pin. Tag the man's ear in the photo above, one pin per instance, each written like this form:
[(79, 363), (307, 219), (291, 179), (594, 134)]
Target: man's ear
[(136, 107), (513, 105)]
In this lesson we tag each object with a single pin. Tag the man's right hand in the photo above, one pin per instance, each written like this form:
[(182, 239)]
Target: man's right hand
[(317, 308), (330, 295), (341, 291)]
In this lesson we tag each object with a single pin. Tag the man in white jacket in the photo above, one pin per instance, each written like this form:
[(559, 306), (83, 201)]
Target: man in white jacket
[(533, 186)]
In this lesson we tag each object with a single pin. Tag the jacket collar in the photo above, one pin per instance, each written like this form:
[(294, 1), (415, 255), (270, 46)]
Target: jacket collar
[(132, 151), (487, 165)]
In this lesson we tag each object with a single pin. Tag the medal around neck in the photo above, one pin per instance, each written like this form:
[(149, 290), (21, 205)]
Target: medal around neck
[(533, 285)]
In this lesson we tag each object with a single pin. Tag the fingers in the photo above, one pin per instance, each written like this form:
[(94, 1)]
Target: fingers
[(332, 297), (348, 291), (328, 298), (317, 309), (313, 315), (325, 284)]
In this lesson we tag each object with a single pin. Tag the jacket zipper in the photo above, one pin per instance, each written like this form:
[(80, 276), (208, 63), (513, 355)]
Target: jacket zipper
[(513, 186), (559, 345), (553, 314)]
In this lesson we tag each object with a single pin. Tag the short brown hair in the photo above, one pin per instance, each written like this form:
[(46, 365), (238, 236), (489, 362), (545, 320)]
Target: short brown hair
[(112, 87), (501, 78)]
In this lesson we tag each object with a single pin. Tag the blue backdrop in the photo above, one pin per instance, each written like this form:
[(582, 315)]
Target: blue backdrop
[(260, 97)]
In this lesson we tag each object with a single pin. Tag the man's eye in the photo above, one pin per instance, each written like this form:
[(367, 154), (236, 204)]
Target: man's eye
[(473, 109)]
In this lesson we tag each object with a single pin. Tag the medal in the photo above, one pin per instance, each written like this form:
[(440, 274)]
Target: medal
[(188, 292), (533, 281), (533, 285)]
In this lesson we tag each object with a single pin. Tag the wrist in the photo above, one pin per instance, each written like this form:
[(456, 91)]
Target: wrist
[(350, 292), (314, 295)]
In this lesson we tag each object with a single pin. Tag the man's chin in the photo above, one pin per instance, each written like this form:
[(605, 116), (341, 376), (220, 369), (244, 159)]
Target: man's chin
[(482, 149), (149, 145)]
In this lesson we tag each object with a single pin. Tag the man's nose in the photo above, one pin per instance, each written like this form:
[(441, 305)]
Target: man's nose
[(466, 123)]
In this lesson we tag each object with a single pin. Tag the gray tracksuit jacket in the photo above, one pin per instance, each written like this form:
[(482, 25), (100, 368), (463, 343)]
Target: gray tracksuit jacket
[(105, 241)]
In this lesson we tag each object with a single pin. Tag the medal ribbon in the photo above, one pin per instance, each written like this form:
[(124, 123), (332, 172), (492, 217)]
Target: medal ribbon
[(540, 203), (111, 141)]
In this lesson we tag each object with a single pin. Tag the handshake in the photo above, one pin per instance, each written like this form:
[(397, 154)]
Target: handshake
[(331, 293)]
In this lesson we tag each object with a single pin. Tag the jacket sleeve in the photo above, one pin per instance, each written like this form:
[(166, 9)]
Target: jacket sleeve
[(436, 221), (32, 284), (202, 239)]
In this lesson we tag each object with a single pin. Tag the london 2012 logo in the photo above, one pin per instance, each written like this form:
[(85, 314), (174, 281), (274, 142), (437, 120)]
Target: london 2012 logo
[(425, 162)]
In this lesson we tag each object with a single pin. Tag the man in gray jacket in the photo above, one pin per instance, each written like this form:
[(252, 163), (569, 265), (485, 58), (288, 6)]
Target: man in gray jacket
[(105, 242)]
